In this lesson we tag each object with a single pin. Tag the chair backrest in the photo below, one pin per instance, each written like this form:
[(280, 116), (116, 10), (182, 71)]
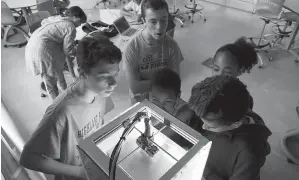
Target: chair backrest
[(46, 5), (63, 3), (272, 8), (7, 17), (34, 20)]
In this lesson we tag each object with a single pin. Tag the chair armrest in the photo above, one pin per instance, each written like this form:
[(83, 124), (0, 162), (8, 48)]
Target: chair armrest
[(20, 18)]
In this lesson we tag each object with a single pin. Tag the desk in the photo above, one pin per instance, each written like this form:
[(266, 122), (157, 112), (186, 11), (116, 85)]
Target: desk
[(109, 16), (24, 5), (117, 40)]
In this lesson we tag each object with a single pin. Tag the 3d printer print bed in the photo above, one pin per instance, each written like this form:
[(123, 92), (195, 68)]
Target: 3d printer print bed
[(135, 161)]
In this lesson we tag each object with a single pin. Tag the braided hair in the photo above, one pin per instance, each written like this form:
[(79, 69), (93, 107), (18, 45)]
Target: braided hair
[(93, 49), (224, 94), (244, 53)]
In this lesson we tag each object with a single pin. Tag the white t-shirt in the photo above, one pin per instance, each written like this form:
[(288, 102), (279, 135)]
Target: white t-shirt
[(132, 6), (65, 123)]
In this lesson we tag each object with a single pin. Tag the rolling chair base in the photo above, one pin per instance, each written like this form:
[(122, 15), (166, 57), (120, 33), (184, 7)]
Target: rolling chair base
[(180, 20), (193, 9), (6, 35), (178, 17)]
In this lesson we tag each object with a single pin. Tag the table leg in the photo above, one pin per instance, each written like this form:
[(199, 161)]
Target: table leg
[(25, 12), (29, 10), (293, 36)]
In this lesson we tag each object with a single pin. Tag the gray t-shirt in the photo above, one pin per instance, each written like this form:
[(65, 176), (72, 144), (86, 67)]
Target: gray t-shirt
[(144, 59), (66, 122)]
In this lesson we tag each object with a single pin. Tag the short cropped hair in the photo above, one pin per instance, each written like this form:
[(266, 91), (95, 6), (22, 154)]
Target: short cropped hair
[(167, 79), (153, 4), (224, 94), (76, 11), (244, 52), (92, 50)]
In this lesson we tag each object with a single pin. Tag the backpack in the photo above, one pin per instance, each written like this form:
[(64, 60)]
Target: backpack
[(109, 31)]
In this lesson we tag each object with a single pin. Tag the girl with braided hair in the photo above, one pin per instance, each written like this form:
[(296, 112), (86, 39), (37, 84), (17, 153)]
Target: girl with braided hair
[(76, 113), (239, 144)]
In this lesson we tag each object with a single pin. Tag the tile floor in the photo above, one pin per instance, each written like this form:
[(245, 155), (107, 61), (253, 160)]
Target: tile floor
[(275, 89)]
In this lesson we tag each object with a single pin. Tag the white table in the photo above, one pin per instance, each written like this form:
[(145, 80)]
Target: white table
[(15, 4), (24, 5), (108, 16)]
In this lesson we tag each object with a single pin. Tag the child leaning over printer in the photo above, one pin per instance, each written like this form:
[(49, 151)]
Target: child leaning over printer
[(165, 93), (76, 113)]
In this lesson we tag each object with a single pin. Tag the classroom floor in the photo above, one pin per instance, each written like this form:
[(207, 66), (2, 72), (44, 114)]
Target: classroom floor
[(275, 88)]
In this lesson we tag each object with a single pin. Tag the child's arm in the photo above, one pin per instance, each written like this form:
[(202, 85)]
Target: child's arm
[(43, 151), (125, 12), (127, 9), (210, 175), (38, 162), (185, 115), (247, 166)]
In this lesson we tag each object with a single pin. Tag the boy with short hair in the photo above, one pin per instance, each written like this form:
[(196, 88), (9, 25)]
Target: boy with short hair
[(76, 113), (166, 94), (151, 49)]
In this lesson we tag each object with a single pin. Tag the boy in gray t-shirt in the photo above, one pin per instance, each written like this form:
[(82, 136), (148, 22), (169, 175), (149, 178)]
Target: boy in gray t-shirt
[(151, 49), (75, 114)]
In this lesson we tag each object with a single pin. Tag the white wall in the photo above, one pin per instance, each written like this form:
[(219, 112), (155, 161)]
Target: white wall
[(248, 5), (293, 4)]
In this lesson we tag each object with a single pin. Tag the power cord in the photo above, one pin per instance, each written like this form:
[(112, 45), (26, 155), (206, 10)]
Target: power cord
[(116, 151)]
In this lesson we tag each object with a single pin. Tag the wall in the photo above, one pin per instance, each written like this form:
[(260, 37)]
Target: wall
[(247, 5), (293, 4)]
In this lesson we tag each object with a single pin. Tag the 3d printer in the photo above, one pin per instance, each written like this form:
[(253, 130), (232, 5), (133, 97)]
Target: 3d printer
[(136, 146)]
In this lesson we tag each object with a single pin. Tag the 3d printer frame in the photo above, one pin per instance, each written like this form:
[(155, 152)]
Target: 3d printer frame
[(89, 145)]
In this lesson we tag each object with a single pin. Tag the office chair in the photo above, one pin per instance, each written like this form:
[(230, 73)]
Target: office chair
[(176, 15), (46, 5), (104, 2), (193, 9), (61, 6), (268, 11), (9, 23), (291, 17)]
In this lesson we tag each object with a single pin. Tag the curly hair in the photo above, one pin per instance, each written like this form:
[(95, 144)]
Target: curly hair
[(244, 52), (77, 12), (224, 94), (92, 50), (167, 79)]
